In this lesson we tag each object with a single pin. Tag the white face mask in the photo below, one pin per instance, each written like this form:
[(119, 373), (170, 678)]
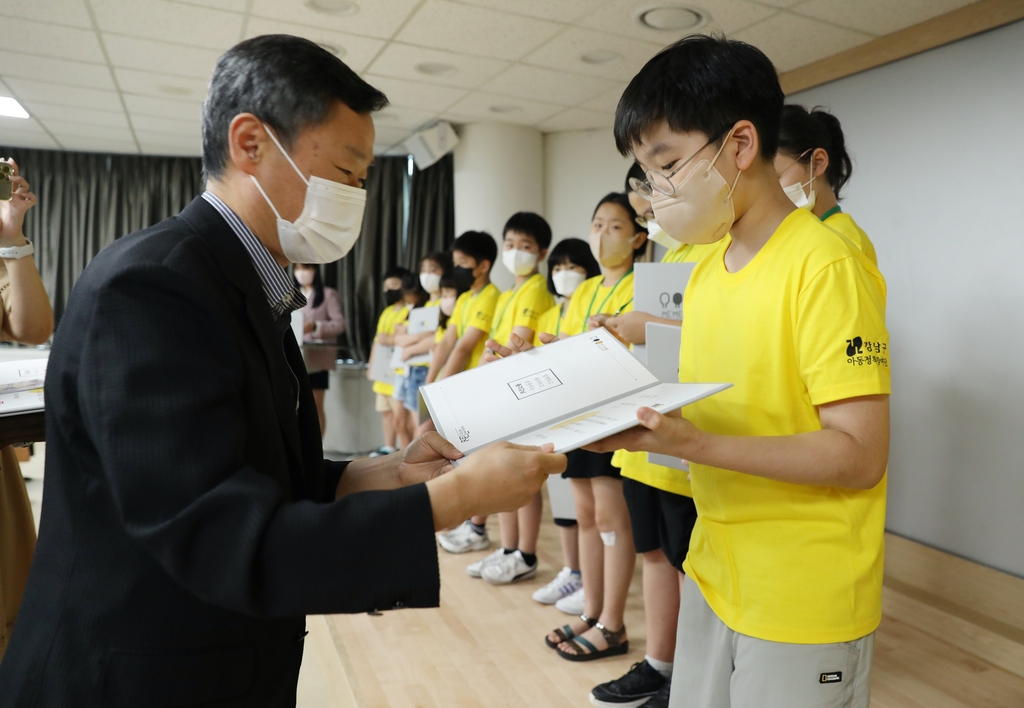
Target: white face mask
[(305, 277), (519, 262), (431, 282), (566, 281), (448, 306), (658, 235), (801, 199), (329, 224), (701, 209)]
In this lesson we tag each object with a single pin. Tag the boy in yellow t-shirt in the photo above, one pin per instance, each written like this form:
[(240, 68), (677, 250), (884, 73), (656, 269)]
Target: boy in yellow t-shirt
[(787, 466), (526, 238), (394, 314)]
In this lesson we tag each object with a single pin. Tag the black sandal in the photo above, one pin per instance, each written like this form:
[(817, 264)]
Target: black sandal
[(566, 634), (617, 646)]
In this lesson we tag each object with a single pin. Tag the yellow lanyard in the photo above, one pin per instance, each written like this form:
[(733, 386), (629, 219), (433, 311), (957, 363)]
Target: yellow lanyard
[(614, 288)]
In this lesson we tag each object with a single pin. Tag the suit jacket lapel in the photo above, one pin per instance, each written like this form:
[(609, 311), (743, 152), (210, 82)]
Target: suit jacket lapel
[(239, 270)]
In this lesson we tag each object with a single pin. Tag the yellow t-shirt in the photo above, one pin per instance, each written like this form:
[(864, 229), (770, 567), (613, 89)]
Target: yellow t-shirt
[(593, 298), (521, 307), (801, 325), (550, 323), (475, 311), (634, 465), (845, 225), (392, 315)]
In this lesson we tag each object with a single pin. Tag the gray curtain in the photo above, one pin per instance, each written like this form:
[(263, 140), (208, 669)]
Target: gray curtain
[(431, 211), (87, 200)]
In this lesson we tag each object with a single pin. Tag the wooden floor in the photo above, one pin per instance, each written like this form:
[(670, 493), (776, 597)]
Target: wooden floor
[(952, 637)]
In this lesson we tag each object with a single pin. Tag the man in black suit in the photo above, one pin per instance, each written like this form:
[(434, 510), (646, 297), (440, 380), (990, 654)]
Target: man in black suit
[(190, 521)]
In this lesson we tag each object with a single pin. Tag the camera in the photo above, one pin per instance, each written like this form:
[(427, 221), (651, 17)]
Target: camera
[(6, 188)]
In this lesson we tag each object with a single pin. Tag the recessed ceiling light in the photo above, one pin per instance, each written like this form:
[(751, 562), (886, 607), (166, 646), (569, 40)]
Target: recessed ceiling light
[(600, 56), (11, 108), (333, 49), (431, 68), (170, 90), (671, 18), (505, 108), (333, 7)]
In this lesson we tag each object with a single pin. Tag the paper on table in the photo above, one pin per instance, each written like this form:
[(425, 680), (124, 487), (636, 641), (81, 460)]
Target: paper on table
[(22, 375), (571, 392)]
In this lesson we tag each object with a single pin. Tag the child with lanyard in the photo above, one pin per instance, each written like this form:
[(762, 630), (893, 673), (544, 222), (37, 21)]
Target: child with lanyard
[(526, 238), (570, 263)]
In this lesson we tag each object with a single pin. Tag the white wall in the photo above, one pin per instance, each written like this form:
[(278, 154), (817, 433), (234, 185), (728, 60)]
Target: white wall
[(499, 170), (580, 167), (937, 185)]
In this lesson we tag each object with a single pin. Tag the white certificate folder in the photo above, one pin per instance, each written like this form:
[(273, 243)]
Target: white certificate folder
[(570, 393)]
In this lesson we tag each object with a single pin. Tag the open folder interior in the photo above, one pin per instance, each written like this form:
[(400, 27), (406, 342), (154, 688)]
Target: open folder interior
[(570, 393)]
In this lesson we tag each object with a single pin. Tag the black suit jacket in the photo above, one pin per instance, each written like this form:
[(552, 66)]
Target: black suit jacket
[(189, 520)]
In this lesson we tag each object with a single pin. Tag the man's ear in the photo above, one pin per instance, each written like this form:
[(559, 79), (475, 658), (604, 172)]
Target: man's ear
[(819, 162), (748, 144), (247, 140)]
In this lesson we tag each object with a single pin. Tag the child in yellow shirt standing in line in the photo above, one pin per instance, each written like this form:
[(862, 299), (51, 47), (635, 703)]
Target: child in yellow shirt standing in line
[(395, 313)]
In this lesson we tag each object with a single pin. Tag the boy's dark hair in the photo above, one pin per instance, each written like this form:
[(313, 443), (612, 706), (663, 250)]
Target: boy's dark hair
[(635, 170), (287, 82), (706, 85), (572, 251), (533, 225), (478, 245), (443, 261), (396, 272), (804, 131), (411, 286), (318, 283)]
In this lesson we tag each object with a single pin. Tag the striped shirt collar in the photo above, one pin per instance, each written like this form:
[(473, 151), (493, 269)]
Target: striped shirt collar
[(282, 295)]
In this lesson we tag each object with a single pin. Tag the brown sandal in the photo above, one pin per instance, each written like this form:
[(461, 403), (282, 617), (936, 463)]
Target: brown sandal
[(583, 650), (565, 633)]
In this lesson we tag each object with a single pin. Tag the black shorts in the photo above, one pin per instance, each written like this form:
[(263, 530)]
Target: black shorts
[(660, 519), (318, 380), (584, 464)]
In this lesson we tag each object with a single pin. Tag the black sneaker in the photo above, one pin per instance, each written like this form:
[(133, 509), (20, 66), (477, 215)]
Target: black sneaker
[(632, 690), (659, 699)]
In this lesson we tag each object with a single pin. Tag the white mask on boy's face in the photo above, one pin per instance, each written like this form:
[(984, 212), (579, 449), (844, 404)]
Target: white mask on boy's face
[(519, 262), (657, 234), (701, 209), (329, 224), (566, 281), (796, 193), (431, 282)]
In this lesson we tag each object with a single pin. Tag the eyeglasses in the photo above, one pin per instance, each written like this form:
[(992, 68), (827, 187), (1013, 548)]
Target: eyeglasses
[(658, 181)]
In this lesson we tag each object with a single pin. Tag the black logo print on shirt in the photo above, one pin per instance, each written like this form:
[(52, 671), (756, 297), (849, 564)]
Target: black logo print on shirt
[(831, 677), (854, 346)]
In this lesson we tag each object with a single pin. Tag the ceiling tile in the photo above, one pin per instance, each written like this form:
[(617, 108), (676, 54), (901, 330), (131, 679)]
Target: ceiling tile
[(27, 140), (607, 101), (160, 57), (408, 94), (19, 126), (879, 17), (50, 40), (170, 127), (402, 118), (616, 17), (162, 108), (565, 50), (400, 60), (161, 144), (375, 18), (390, 136), (446, 25), (70, 128), (157, 19), (577, 119), (791, 41), (47, 112), (229, 5), (547, 85), (60, 95), (75, 73), (358, 52), (778, 3), (61, 12), (87, 144), (175, 88), (477, 107), (560, 11)]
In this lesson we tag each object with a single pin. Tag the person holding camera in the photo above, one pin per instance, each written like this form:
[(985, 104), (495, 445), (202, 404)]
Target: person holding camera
[(27, 318)]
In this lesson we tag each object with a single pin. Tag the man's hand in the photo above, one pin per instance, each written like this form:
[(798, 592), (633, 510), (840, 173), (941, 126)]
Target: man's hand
[(597, 320), (425, 458), (500, 477), (12, 213), (630, 327), (665, 434)]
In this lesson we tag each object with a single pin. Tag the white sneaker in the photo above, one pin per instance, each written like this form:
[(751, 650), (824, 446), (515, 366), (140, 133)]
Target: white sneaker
[(473, 570), (463, 539), (572, 605), (508, 569), (565, 584)]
